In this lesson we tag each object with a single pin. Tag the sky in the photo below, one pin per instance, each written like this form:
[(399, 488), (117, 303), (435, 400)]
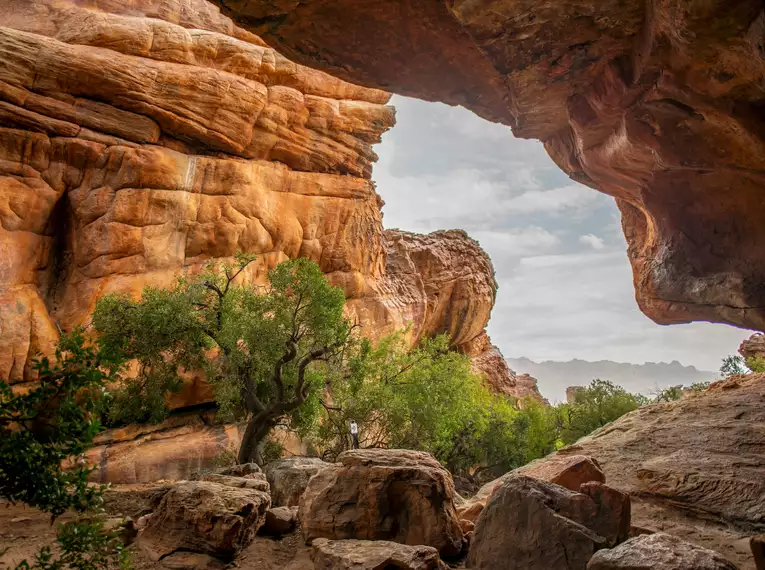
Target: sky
[(565, 284)]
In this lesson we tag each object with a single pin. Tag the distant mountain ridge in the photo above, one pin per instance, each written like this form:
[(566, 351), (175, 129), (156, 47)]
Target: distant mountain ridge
[(555, 376)]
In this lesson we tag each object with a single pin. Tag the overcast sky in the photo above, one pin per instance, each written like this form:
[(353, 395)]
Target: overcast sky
[(565, 285)]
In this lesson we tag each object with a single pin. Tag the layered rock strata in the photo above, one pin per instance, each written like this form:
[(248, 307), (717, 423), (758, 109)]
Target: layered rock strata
[(142, 139), (658, 103)]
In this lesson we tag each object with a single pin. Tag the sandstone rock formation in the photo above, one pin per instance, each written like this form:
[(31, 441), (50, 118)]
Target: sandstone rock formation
[(289, 477), (693, 468), (659, 104), (658, 552), (368, 555), (571, 472), (141, 139), (530, 524), (205, 518), (753, 347), (176, 449), (375, 494)]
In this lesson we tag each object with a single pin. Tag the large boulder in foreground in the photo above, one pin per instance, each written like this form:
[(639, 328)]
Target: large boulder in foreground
[(570, 472), (658, 552), (206, 518), (289, 477), (530, 524), (379, 494), (373, 555)]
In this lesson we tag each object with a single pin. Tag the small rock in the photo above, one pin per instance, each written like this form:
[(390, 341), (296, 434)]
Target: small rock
[(613, 512), (372, 555), (280, 521), (192, 561), (658, 552)]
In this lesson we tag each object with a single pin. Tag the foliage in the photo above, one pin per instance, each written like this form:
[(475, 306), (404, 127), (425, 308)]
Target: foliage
[(670, 394), (756, 364), (402, 398), (272, 347), (732, 365), (272, 450), (44, 429), (595, 406), (700, 386)]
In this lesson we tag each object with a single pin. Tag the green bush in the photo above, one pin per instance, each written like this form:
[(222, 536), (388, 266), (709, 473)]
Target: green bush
[(44, 430)]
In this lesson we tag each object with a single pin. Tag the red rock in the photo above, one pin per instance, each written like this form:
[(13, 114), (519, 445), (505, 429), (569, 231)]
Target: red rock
[(373, 555), (375, 494), (656, 104), (204, 518)]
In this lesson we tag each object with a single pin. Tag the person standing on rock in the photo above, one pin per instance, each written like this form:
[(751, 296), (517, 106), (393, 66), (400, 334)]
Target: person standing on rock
[(355, 434)]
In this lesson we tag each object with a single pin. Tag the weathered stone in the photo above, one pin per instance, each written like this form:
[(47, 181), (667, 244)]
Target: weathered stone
[(570, 472), (372, 494), (753, 347), (255, 481), (657, 104), (530, 524), (658, 552), (289, 477), (372, 555), (612, 512), (192, 561), (134, 500), (205, 518), (280, 521)]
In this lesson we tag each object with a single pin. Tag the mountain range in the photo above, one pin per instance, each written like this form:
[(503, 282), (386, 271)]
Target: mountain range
[(555, 376)]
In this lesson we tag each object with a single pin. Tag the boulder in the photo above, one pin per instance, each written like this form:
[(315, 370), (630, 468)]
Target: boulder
[(256, 481), (658, 552), (373, 555), (376, 494), (530, 524), (570, 472), (134, 500), (192, 561), (280, 521), (206, 518), (289, 477)]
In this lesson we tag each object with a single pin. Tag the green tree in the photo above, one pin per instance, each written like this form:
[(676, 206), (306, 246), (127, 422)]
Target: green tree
[(733, 364), (267, 351), (670, 394), (416, 399), (46, 428), (595, 406)]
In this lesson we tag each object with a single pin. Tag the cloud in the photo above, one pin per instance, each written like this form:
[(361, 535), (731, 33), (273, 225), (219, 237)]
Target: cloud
[(593, 241), (565, 284)]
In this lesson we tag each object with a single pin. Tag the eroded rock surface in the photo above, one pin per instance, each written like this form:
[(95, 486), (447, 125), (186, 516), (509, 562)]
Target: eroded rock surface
[(142, 139), (658, 552), (529, 524), (659, 104), (693, 467), (373, 494), (205, 518), (571, 472)]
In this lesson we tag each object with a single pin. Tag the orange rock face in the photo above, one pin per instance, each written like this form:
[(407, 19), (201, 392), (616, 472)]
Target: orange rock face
[(142, 139), (659, 104)]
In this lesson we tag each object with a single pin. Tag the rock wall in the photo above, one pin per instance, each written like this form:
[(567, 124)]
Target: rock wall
[(140, 139), (657, 103)]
